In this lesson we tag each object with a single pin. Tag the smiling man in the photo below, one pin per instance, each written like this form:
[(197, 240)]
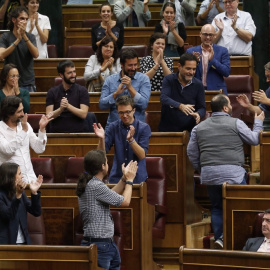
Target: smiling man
[(182, 97), (214, 61), (69, 101), (127, 82), (261, 244), (130, 138)]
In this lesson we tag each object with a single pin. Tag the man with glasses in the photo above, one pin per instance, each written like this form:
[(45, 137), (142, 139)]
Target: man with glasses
[(208, 10), (214, 61), (127, 82), (235, 29), (19, 47), (130, 138), (261, 244)]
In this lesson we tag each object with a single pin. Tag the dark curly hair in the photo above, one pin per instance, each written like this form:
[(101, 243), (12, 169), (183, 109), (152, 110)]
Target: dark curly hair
[(104, 42)]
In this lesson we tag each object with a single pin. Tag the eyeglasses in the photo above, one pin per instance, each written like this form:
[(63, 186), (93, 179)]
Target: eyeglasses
[(126, 112), (14, 76), (208, 34), (267, 220), (228, 2)]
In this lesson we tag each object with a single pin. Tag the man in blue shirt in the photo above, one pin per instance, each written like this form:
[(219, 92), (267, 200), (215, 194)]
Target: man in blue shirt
[(127, 82), (182, 97), (130, 138), (216, 150)]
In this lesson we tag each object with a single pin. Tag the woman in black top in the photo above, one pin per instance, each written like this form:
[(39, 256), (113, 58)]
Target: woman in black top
[(107, 27), (174, 30)]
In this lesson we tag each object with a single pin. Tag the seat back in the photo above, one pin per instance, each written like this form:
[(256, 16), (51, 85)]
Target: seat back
[(52, 51), (236, 85), (88, 23), (74, 169), (44, 166), (79, 80), (36, 229), (156, 193), (33, 120), (142, 50), (257, 227), (80, 51)]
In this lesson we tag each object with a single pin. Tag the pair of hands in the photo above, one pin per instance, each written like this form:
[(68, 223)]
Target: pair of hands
[(159, 58), (212, 3), (125, 84), (34, 186), (220, 25), (166, 27), (129, 172), (33, 20), (99, 131), (108, 64), (189, 109), (43, 122), (211, 54)]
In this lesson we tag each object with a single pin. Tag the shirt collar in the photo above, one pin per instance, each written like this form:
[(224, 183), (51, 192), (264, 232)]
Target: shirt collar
[(176, 77), (220, 114), (5, 126), (227, 18), (133, 124)]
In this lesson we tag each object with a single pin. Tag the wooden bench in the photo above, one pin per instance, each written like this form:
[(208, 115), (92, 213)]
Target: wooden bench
[(241, 203), (203, 259), (46, 71), (60, 207), (48, 257), (182, 210)]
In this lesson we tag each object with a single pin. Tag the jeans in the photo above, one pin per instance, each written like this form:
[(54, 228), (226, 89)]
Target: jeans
[(215, 196), (30, 88), (108, 254)]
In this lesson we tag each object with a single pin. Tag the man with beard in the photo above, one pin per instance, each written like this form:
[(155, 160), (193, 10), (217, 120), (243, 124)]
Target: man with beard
[(261, 244), (215, 149), (127, 82), (16, 135), (182, 97), (69, 101)]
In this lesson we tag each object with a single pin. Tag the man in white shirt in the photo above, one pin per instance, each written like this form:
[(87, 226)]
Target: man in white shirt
[(261, 244), (235, 29), (16, 135)]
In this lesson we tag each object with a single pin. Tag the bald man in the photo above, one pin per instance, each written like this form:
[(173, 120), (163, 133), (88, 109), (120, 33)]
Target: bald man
[(214, 61)]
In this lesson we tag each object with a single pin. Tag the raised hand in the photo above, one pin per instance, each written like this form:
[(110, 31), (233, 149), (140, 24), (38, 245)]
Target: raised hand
[(20, 187), (131, 133), (233, 25), (130, 170), (165, 27), (35, 185), (24, 122), (243, 100), (211, 4), (198, 56), (219, 23), (211, 55), (99, 131), (172, 25), (44, 120), (261, 116), (260, 96)]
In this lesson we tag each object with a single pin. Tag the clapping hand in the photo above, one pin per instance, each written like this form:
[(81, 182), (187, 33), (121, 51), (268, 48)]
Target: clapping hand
[(165, 27), (219, 23), (131, 133), (129, 172), (35, 185), (99, 131)]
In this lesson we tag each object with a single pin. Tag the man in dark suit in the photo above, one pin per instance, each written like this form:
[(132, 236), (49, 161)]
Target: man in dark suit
[(261, 244), (214, 61)]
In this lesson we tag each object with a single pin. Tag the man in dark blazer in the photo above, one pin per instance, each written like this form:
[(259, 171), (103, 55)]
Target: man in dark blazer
[(261, 244), (214, 61)]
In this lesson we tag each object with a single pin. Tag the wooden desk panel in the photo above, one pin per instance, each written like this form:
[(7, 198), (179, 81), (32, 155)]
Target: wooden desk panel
[(48, 257), (203, 259), (264, 158), (241, 203), (60, 206)]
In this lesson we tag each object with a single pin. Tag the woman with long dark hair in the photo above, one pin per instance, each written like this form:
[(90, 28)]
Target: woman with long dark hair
[(156, 65), (14, 204), (101, 65), (173, 29), (95, 199)]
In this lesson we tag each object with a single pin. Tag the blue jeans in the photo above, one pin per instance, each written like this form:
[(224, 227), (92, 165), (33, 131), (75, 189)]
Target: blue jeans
[(108, 254), (215, 196)]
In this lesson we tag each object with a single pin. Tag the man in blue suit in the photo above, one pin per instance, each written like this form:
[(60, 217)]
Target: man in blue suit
[(214, 61), (261, 244)]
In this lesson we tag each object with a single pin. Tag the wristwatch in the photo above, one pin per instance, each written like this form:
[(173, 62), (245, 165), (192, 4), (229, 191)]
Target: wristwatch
[(129, 183)]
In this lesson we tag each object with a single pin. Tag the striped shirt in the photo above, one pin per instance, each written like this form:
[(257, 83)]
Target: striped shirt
[(94, 205)]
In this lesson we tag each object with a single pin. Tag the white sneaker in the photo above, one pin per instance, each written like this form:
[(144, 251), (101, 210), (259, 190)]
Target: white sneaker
[(218, 244)]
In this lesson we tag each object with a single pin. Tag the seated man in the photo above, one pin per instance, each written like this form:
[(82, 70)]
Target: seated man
[(130, 138), (182, 97), (69, 101), (128, 82), (261, 244), (16, 135)]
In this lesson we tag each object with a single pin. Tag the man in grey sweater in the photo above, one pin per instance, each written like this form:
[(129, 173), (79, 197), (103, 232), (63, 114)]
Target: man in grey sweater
[(215, 149)]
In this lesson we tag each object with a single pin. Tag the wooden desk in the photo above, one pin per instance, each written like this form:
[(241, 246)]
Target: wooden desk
[(60, 207), (241, 203), (264, 158), (48, 257), (207, 259), (182, 209)]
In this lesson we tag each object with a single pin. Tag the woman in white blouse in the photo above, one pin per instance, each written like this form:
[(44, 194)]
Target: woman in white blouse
[(102, 65), (38, 25)]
